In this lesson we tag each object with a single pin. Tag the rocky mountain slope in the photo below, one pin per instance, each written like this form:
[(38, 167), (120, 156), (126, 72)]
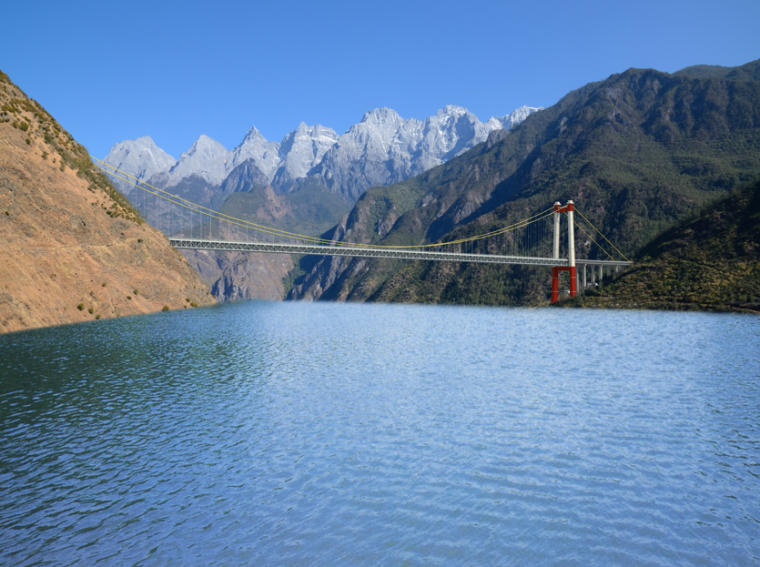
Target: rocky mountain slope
[(636, 152), (709, 261), (73, 248)]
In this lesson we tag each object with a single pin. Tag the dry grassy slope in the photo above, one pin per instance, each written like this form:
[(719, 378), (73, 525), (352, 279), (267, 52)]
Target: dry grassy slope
[(67, 237)]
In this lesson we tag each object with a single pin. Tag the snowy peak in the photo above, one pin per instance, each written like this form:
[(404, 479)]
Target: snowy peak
[(140, 158), (301, 150), (452, 110), (512, 119), (256, 147), (312, 135), (381, 116), (206, 158), (204, 147), (375, 131), (253, 137)]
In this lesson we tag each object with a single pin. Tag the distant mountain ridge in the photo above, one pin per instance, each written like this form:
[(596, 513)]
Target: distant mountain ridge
[(382, 148), (303, 184), (744, 73), (636, 152)]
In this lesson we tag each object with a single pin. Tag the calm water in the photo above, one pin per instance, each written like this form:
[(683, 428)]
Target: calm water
[(317, 434)]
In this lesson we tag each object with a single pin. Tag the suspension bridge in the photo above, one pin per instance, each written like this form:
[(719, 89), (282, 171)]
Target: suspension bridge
[(191, 226)]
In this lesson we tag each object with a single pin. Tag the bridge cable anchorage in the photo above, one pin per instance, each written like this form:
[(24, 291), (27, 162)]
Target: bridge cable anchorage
[(180, 201)]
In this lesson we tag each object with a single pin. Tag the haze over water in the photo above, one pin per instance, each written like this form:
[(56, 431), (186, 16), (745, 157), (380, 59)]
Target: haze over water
[(320, 434)]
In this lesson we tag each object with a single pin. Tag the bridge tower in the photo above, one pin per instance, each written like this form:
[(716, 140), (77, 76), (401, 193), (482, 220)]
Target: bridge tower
[(558, 210)]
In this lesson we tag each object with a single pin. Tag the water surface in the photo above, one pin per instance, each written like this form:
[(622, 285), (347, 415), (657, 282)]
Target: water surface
[(320, 434)]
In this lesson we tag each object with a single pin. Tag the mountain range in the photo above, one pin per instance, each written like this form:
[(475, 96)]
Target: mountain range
[(382, 148), (303, 184), (635, 152)]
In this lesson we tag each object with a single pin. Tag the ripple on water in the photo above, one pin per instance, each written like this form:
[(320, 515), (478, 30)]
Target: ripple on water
[(297, 434)]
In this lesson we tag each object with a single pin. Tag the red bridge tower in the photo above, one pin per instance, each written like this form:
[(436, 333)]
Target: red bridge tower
[(570, 267)]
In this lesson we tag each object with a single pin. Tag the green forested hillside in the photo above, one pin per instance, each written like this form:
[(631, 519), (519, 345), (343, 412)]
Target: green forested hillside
[(710, 260), (636, 152)]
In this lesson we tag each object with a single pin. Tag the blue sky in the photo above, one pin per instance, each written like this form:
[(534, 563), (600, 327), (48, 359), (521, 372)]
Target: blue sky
[(174, 70)]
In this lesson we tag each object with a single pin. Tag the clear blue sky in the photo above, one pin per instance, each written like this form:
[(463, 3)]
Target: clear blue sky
[(173, 70)]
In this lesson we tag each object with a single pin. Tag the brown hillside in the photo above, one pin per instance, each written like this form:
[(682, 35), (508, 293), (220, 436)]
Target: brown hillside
[(69, 239)]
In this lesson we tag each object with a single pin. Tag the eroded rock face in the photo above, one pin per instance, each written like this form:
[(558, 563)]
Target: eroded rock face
[(69, 239), (242, 179), (302, 150), (233, 276)]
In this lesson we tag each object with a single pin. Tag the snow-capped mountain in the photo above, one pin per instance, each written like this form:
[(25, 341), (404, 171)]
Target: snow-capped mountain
[(513, 119), (141, 158), (206, 158), (382, 148), (265, 154), (301, 150)]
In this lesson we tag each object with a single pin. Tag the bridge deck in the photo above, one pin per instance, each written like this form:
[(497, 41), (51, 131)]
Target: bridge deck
[(369, 252)]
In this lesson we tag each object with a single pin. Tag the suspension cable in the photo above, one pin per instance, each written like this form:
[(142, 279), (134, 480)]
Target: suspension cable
[(177, 200), (600, 232), (594, 241)]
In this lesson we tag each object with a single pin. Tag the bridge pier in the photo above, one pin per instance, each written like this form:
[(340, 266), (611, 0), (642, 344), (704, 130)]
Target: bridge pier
[(555, 285), (555, 281)]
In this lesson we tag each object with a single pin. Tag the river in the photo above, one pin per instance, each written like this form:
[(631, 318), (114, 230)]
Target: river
[(266, 433)]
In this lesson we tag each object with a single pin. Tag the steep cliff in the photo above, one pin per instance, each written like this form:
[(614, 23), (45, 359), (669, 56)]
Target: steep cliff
[(73, 248)]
